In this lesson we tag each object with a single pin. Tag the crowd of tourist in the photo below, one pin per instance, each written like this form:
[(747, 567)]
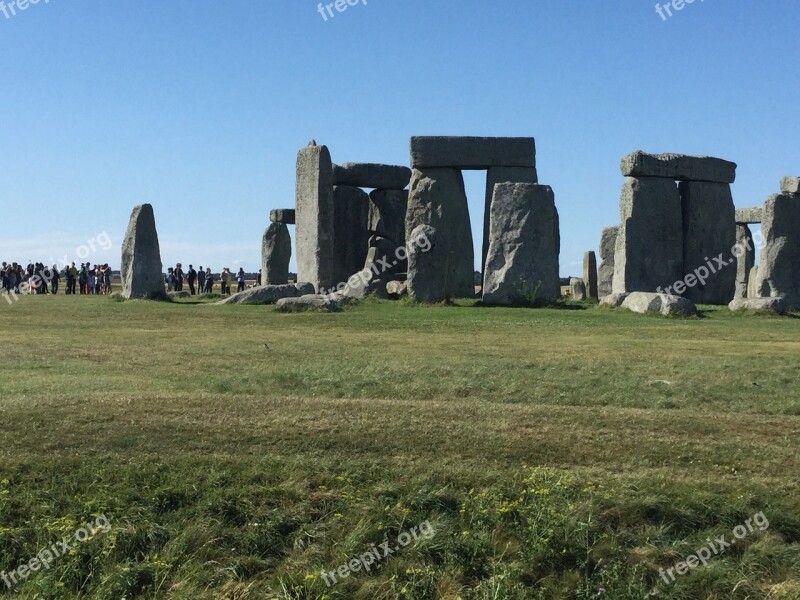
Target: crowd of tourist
[(88, 279)]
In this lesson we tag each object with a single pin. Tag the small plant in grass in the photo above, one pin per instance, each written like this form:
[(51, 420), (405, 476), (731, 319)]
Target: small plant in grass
[(526, 294)]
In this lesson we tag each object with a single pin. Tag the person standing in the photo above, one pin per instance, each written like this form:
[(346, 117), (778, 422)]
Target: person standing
[(191, 277), (209, 281), (55, 279), (201, 280), (225, 278), (72, 279), (179, 277), (240, 278)]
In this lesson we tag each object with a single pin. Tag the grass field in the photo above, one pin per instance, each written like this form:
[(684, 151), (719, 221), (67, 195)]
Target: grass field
[(238, 453)]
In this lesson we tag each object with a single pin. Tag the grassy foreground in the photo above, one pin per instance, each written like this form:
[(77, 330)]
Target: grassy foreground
[(238, 453)]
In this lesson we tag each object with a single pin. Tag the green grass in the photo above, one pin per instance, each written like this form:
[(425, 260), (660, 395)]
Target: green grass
[(238, 452)]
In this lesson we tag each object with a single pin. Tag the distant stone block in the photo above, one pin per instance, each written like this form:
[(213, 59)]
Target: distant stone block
[(749, 216), (790, 185), (472, 152), (282, 215), (678, 167), (371, 175)]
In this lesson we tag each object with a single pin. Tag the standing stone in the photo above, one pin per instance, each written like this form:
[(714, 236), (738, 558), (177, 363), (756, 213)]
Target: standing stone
[(745, 260), (437, 198), (384, 259), (605, 278), (522, 263), (387, 214), (495, 175), (779, 270), (590, 275), (709, 229), (351, 235), (141, 272), (314, 215), (649, 246), (427, 266), (276, 252), (752, 283), (577, 289)]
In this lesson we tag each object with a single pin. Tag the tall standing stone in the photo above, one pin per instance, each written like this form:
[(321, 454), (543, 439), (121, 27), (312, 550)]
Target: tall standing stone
[(779, 270), (709, 229), (351, 234), (522, 262), (276, 252), (437, 198), (314, 215), (590, 275), (649, 247), (605, 276), (427, 265), (752, 283), (141, 269), (745, 261)]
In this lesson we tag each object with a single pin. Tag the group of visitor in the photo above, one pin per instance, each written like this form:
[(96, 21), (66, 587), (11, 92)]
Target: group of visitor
[(38, 278), (201, 281)]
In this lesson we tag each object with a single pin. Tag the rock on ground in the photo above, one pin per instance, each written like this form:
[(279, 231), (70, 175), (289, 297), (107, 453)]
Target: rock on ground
[(269, 294), (664, 304)]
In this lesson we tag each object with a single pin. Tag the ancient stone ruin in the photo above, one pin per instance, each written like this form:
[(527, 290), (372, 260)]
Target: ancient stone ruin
[(142, 277)]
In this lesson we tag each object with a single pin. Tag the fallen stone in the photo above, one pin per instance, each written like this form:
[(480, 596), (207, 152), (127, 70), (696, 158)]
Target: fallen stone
[(774, 305), (369, 175), (613, 300), (329, 303), (779, 268), (351, 235), (396, 289), (590, 275), (269, 294), (577, 289), (437, 198), (678, 167), (790, 185), (387, 214), (649, 247), (472, 152), (745, 261), (276, 252), (283, 215), (140, 270), (314, 237), (427, 269), (522, 262), (664, 304), (709, 231), (605, 275), (749, 216)]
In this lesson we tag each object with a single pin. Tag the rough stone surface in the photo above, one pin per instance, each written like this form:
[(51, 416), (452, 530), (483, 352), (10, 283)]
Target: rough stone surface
[(329, 303), (664, 304), (776, 305), (525, 245), (590, 275), (494, 176), (752, 283), (437, 198), (790, 185), (577, 289), (779, 269), (744, 262), (427, 270), (749, 216), (678, 167), (351, 235), (385, 257), (141, 272), (472, 152), (283, 215), (396, 289), (605, 274), (269, 294), (369, 175), (387, 214), (709, 230), (613, 300), (314, 214), (649, 247), (276, 252)]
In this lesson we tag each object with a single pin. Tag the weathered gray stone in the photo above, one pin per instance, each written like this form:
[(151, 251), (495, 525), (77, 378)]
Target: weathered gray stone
[(141, 272), (324, 303), (790, 185), (749, 216), (276, 252), (387, 214), (590, 275), (494, 176), (745, 260), (605, 276), (678, 167), (577, 289), (649, 245), (709, 230), (396, 289), (775, 305), (613, 300), (752, 283), (269, 294), (369, 175), (522, 262), (385, 258), (664, 304), (779, 269), (427, 268), (351, 235), (282, 215), (314, 235), (437, 198), (472, 152)]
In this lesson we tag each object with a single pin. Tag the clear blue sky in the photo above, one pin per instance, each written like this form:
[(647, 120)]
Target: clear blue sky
[(200, 107)]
